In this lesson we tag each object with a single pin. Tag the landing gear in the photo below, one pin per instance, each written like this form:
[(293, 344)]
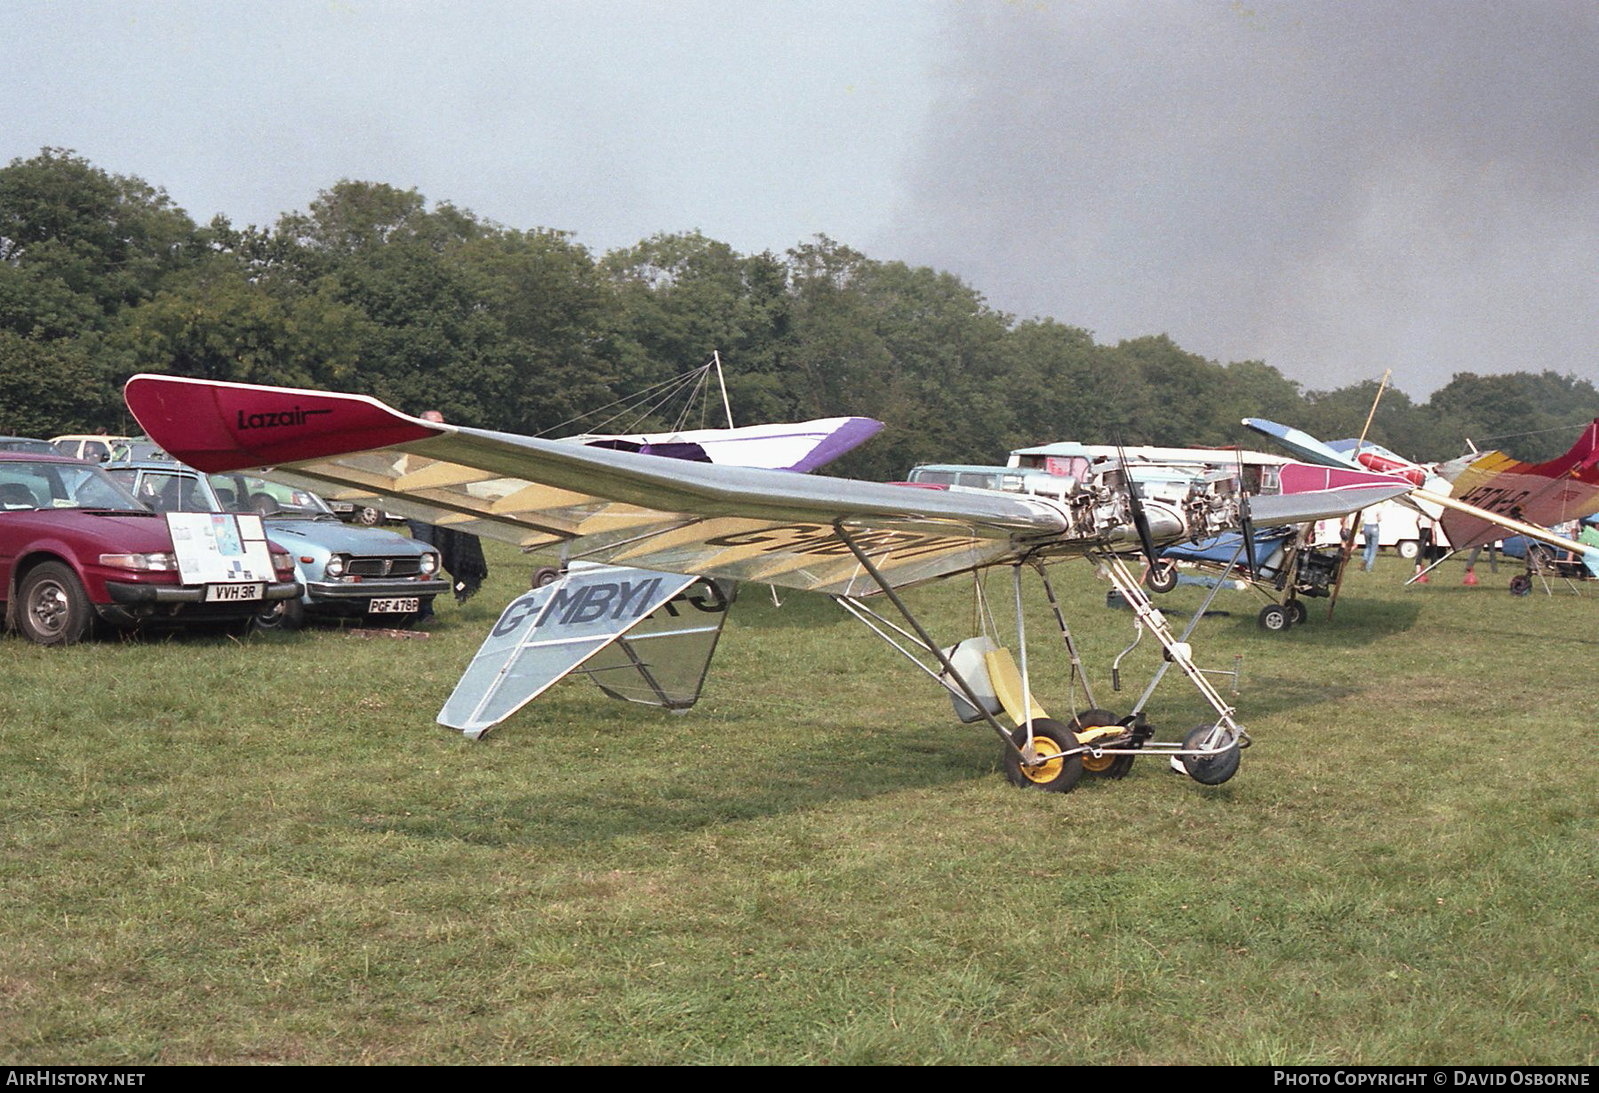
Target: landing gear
[(1052, 771), (1106, 766), (1211, 769), (1273, 617), (1161, 577), (985, 684)]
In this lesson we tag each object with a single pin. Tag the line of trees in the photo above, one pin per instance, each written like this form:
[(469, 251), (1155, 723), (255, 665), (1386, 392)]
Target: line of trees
[(372, 290)]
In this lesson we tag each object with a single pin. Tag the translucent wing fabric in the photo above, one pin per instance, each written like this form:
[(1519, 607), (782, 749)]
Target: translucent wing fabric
[(609, 506)]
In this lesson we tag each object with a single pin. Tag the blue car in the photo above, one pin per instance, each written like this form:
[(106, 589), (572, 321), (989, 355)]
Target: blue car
[(347, 572)]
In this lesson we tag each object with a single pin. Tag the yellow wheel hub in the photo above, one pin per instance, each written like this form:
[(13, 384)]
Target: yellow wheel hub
[(1087, 735), (1049, 769), (1095, 764)]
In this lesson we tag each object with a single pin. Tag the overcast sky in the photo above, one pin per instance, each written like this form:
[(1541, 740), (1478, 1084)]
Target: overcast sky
[(1332, 187)]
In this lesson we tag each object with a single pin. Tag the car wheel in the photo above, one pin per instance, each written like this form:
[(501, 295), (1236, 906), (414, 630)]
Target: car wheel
[(54, 608), (281, 615)]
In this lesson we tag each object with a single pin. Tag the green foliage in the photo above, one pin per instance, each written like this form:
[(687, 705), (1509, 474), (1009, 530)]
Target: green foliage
[(70, 227), (50, 387), (1530, 414), (216, 322), (373, 289)]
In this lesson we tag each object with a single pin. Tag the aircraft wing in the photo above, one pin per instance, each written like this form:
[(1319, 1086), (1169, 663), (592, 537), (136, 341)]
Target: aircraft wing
[(1302, 444), (610, 506), (1545, 494), (801, 447)]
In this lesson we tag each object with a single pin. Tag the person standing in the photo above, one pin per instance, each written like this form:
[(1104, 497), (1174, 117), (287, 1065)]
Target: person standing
[(1371, 528)]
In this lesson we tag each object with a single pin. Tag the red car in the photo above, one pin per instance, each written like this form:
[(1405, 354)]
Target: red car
[(76, 547)]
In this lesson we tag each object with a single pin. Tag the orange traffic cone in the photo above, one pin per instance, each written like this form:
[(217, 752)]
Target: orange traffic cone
[(1471, 578)]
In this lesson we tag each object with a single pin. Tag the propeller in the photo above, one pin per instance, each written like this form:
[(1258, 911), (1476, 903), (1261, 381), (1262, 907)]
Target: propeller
[(1135, 505), (1246, 525)]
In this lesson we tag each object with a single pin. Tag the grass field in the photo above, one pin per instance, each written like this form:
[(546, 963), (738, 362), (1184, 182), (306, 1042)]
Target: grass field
[(268, 852)]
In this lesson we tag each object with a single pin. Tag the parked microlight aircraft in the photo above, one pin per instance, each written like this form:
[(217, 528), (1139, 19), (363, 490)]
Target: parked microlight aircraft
[(849, 540), (1478, 497), (1284, 563)]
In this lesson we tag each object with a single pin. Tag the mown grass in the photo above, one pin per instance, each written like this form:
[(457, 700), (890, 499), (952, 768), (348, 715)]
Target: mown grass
[(267, 852)]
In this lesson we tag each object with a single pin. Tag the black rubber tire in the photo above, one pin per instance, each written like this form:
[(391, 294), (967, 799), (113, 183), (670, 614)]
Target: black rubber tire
[(1273, 617), (1521, 585), (281, 616), (1210, 770), (1296, 612), (544, 575), (1162, 577), (367, 516), (1106, 766), (52, 608), (1054, 776)]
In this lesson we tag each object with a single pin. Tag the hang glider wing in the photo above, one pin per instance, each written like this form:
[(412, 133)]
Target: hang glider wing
[(800, 447), (1542, 494), (611, 506)]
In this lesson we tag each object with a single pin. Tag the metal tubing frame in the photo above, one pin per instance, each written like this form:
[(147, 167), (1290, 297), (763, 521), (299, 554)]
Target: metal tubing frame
[(1226, 733), (1165, 665), (1149, 617), (932, 647), (1078, 676)]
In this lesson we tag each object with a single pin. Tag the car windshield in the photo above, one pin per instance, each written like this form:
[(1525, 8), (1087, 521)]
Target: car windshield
[(166, 491), (27, 445), (42, 485), (246, 493)]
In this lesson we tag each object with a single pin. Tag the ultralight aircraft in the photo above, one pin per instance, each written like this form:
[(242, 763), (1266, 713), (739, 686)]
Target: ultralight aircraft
[(1478, 497), (687, 523)]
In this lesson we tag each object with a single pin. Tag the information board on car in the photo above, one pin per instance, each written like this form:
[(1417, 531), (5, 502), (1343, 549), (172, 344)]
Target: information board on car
[(222, 549)]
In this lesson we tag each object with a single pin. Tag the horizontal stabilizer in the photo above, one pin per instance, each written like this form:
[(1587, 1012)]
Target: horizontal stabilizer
[(547, 633)]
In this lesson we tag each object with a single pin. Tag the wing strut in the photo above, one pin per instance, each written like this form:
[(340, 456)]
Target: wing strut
[(926, 640)]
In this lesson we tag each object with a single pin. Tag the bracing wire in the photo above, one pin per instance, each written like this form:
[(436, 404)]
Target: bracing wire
[(690, 386), (1538, 432)]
